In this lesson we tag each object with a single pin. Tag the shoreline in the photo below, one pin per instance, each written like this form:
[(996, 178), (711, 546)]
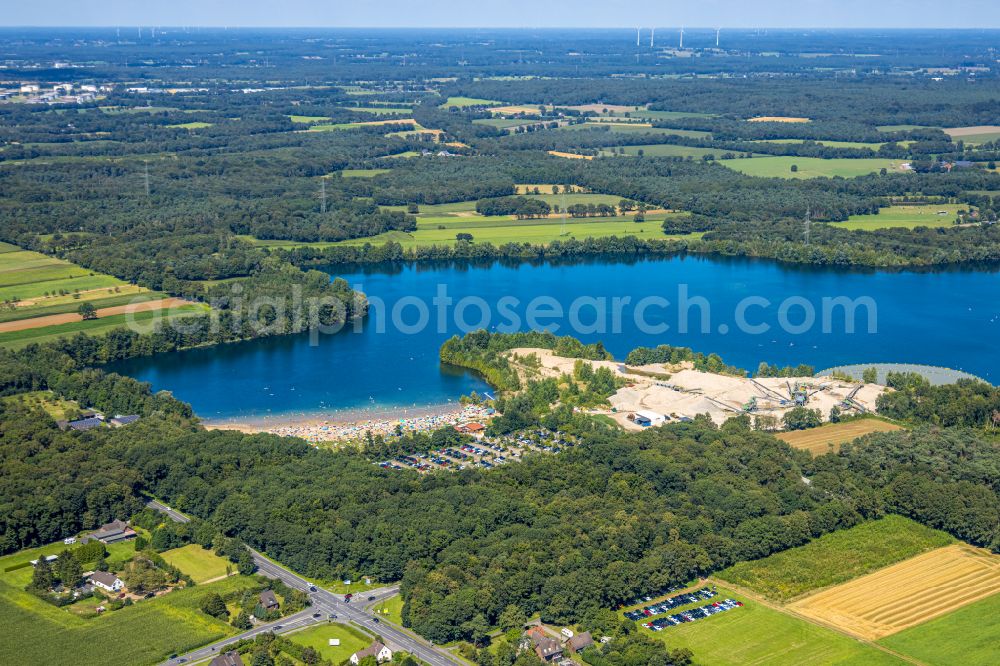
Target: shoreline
[(352, 425)]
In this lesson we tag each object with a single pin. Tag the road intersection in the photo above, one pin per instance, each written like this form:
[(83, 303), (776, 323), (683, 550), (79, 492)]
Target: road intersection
[(326, 607)]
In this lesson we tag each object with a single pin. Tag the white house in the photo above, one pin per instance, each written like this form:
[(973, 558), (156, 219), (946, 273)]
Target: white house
[(107, 581), (376, 649)]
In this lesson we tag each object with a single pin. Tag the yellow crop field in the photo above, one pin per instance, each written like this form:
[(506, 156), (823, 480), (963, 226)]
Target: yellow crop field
[(570, 156), (778, 119), (906, 594), (818, 441)]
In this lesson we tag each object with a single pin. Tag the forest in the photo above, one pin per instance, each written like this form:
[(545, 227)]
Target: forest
[(565, 535)]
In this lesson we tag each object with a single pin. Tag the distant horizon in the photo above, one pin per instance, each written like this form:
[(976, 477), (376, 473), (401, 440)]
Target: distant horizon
[(705, 28), (513, 14)]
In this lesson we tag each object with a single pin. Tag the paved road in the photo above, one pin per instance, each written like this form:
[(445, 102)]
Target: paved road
[(175, 516), (326, 607)]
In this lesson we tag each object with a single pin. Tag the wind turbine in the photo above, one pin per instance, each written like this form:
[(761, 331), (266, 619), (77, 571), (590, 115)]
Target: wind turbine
[(717, 31), (652, 32), (682, 38), (638, 33)]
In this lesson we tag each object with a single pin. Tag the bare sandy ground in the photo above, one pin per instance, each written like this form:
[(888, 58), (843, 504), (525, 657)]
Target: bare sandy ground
[(53, 320), (689, 392)]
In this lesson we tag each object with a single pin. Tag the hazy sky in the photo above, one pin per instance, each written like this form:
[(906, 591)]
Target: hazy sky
[(506, 13)]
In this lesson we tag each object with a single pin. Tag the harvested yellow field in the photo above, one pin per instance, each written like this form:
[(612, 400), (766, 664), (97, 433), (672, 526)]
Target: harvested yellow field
[(570, 156), (778, 119), (517, 109), (601, 108), (958, 132), (818, 441), (906, 594)]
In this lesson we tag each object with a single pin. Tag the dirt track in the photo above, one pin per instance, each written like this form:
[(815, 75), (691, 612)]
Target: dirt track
[(906, 594), (53, 320)]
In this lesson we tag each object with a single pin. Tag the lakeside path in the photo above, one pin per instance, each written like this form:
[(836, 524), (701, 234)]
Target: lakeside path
[(320, 428)]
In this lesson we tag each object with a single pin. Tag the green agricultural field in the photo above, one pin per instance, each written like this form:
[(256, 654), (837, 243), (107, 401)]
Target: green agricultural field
[(309, 120), (192, 125), (391, 609), (536, 232), (500, 230), (668, 150), (363, 173), (757, 634), (100, 326), (810, 167), (200, 563), (104, 298), (341, 126), (25, 274), (825, 142), (75, 279), (461, 102), (145, 633), (836, 558), (666, 115), (968, 636), (905, 216), (974, 135), (388, 110), (502, 123), (638, 128), (318, 638)]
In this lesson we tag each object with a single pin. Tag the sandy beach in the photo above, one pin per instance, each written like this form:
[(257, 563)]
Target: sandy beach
[(347, 426)]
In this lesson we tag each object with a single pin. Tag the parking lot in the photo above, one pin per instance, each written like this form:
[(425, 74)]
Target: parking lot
[(678, 601), (485, 453)]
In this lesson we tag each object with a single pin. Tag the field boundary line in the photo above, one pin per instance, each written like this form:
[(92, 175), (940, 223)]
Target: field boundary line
[(739, 589)]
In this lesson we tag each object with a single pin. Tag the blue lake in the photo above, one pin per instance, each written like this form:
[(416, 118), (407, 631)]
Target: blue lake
[(947, 318)]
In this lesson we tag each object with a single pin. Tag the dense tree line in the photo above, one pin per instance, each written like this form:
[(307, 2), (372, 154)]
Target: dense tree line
[(521, 207)]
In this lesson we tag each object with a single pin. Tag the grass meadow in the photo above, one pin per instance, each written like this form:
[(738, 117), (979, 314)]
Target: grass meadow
[(757, 634), (668, 150), (968, 636), (391, 609), (201, 564), (835, 558), (908, 217), (318, 638), (810, 167)]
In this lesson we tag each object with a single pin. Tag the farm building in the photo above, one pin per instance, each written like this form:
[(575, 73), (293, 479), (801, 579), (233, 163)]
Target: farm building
[(106, 581), (113, 532)]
